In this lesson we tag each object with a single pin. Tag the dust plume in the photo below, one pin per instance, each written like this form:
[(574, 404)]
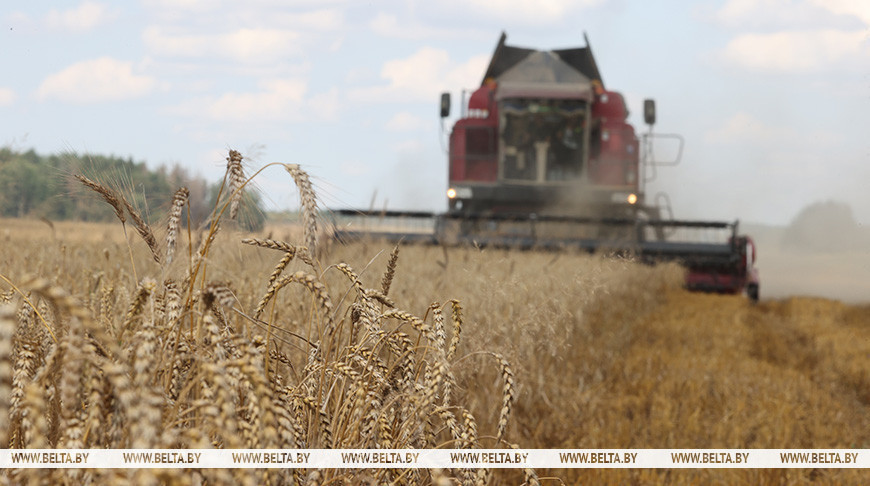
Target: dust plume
[(823, 252)]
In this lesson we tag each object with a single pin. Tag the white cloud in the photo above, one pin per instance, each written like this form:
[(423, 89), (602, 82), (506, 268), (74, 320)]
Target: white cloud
[(18, 21), (743, 128), (260, 45), (328, 19), (797, 36), (389, 25), (794, 14), (277, 100), (177, 9), (798, 52), (405, 122), (422, 76), (96, 80), (251, 32), (417, 73), (190, 5), (777, 14), (7, 96), (856, 8), (325, 105), (306, 15), (526, 12), (86, 16)]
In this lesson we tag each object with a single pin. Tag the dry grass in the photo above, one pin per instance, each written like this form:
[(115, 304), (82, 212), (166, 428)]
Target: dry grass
[(261, 343)]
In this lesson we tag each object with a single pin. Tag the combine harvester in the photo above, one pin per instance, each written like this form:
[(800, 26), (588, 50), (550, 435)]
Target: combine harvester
[(543, 158)]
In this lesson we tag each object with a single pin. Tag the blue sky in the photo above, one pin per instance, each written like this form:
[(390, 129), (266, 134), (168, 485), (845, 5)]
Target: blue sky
[(772, 96)]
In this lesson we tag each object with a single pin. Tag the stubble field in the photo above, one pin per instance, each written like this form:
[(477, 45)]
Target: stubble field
[(105, 347)]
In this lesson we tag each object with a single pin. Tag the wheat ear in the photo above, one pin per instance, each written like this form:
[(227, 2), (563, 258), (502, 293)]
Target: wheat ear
[(457, 328), (508, 392), (309, 205), (391, 270), (143, 229), (107, 194), (178, 201), (236, 179)]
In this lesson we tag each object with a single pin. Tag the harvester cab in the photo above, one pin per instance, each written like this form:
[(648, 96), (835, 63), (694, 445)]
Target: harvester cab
[(541, 135)]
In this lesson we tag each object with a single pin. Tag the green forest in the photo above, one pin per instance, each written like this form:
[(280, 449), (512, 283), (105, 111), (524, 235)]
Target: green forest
[(44, 186)]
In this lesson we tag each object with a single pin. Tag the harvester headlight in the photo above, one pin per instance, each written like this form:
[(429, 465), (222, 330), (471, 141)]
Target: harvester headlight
[(459, 193), (632, 198)]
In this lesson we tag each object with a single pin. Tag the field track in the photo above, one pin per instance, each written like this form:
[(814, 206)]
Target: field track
[(709, 371)]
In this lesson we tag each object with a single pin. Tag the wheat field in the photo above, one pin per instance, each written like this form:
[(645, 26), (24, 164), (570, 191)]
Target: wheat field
[(138, 336)]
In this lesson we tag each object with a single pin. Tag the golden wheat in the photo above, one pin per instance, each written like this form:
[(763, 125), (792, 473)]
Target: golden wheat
[(544, 351), (107, 194), (309, 205), (391, 270), (183, 365), (7, 331), (236, 179), (178, 201), (143, 228)]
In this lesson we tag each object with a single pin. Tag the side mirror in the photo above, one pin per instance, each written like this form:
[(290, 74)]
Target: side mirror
[(649, 112), (445, 105)]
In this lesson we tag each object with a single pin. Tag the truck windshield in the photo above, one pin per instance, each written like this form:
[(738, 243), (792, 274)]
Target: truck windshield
[(542, 140)]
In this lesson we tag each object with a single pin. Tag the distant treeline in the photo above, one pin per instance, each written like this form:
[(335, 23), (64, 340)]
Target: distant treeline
[(44, 186)]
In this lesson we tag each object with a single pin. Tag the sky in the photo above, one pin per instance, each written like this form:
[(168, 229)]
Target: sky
[(771, 96)]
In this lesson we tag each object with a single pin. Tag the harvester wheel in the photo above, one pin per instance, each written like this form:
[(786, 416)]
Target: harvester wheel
[(752, 291)]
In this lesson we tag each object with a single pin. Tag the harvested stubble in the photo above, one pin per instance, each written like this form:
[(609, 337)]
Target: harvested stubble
[(178, 359)]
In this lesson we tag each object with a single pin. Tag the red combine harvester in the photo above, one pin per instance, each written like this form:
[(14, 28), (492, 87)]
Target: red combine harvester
[(543, 157)]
